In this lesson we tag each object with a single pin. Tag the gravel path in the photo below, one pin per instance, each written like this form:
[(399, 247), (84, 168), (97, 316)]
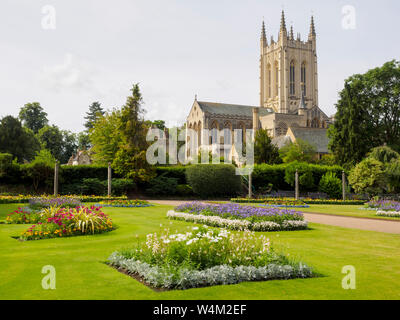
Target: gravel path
[(333, 220)]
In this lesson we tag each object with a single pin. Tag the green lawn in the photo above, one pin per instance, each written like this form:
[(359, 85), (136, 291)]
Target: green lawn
[(81, 273), (345, 210)]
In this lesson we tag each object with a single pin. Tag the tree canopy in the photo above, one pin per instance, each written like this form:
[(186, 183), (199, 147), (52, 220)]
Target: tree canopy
[(264, 150), (94, 113), (368, 114), (33, 116), (300, 150), (17, 140)]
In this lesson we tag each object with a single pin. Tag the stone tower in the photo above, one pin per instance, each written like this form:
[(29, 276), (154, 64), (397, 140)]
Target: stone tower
[(288, 69)]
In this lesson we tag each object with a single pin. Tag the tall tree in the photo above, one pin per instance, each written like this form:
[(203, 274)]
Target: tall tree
[(83, 141), (368, 114), (33, 116), (264, 150), (69, 145), (51, 138), (94, 113), (106, 137), (17, 140), (130, 159)]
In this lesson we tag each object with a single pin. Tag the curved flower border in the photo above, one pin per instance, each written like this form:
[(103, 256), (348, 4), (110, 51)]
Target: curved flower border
[(395, 214), (218, 275), (236, 224)]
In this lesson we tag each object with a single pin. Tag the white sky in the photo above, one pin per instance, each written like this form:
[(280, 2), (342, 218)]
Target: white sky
[(174, 49)]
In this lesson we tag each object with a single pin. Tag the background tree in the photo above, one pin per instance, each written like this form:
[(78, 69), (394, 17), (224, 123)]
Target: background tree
[(106, 137), (300, 150), (83, 140), (160, 124), (94, 113), (264, 150), (368, 114), (69, 145), (130, 160), (17, 140), (33, 116), (51, 138)]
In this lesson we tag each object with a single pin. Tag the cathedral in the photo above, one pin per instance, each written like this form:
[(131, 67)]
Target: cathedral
[(288, 107)]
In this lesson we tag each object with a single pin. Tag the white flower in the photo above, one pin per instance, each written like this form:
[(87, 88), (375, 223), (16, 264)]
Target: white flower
[(167, 241), (195, 228)]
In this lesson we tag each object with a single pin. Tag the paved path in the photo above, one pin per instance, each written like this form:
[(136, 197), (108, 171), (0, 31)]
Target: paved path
[(333, 220)]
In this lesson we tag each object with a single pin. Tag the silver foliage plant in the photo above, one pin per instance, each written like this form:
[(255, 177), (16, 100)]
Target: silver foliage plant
[(217, 275), (236, 224)]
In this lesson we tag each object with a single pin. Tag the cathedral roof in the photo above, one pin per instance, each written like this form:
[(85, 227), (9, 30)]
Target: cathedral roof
[(231, 109), (315, 136)]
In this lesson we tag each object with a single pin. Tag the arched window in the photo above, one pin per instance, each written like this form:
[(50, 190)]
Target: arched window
[(276, 79), (292, 75), (269, 81), (303, 78)]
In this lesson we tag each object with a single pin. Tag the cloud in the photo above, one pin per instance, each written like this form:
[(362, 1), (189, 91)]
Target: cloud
[(73, 73)]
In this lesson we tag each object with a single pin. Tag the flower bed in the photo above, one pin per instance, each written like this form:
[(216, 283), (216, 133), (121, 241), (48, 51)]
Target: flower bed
[(126, 203), (205, 257), (393, 214), (24, 216), (383, 205), (238, 217), (236, 224), (58, 222), (47, 202), (306, 201), (4, 199)]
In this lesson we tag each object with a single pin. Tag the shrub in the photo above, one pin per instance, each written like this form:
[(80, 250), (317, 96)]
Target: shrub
[(331, 185), (184, 190), (121, 187), (368, 177), (162, 185), (213, 180), (93, 186)]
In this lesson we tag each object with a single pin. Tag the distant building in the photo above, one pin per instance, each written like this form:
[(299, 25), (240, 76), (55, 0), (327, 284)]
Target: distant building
[(288, 97), (82, 157)]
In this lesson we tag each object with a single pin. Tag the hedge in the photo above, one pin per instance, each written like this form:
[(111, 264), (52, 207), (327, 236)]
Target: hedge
[(265, 174), (307, 201), (213, 180)]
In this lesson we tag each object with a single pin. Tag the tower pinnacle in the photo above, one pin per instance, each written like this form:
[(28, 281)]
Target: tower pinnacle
[(312, 29), (283, 22), (291, 33), (263, 33)]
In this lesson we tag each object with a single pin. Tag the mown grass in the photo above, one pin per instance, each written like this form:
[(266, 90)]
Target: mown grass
[(345, 210), (82, 274)]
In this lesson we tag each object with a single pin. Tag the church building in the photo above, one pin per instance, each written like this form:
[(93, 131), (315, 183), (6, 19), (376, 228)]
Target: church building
[(288, 96)]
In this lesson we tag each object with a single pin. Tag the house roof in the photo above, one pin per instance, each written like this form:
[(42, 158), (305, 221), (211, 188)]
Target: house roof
[(231, 109), (315, 136)]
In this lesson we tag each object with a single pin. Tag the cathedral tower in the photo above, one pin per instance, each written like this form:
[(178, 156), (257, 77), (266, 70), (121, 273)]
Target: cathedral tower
[(288, 69)]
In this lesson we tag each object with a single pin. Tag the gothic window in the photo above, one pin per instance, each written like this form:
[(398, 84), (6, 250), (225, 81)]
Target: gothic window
[(303, 78), (315, 123), (292, 75), (276, 79), (281, 130), (269, 81)]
